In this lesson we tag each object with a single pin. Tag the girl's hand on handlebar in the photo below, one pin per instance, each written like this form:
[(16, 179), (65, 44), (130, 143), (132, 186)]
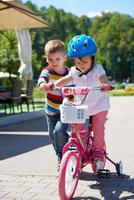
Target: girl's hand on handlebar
[(106, 87)]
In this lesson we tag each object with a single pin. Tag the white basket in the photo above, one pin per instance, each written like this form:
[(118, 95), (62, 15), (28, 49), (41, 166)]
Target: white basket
[(73, 114)]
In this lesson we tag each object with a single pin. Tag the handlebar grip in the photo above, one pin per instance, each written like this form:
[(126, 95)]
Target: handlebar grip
[(111, 87), (106, 87)]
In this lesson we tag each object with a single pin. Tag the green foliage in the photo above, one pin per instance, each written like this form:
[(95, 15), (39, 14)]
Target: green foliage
[(9, 60), (129, 87), (122, 90), (84, 24), (119, 86), (113, 33), (122, 93), (115, 44)]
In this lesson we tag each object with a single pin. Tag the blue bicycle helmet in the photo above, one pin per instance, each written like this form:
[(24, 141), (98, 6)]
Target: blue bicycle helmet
[(82, 45)]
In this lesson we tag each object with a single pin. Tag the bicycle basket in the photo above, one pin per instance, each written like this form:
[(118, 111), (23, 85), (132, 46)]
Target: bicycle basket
[(73, 114)]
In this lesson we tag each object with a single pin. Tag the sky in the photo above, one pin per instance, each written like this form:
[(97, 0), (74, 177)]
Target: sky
[(89, 8)]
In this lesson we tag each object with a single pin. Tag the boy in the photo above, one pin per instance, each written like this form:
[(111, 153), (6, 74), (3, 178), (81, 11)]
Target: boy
[(55, 57)]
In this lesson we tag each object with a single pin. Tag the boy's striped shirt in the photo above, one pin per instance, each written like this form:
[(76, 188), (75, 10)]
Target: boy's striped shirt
[(53, 98)]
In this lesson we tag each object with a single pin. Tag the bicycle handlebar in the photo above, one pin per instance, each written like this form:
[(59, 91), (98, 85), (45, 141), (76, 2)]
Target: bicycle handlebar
[(82, 90)]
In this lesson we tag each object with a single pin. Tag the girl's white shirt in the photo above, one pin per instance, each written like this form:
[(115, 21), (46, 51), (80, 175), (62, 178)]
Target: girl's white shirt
[(96, 100)]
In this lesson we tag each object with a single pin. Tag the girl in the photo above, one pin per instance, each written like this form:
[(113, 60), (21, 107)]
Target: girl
[(86, 72)]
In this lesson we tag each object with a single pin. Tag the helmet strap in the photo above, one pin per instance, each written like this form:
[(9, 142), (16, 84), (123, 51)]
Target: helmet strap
[(88, 70)]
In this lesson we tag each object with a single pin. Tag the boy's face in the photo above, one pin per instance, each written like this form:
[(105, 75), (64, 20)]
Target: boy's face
[(83, 63), (56, 59)]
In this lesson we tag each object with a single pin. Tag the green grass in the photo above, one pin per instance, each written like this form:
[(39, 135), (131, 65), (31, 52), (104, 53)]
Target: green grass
[(38, 106), (37, 93), (122, 92)]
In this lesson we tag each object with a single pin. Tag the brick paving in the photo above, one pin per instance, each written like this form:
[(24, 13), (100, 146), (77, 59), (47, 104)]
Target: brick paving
[(18, 187)]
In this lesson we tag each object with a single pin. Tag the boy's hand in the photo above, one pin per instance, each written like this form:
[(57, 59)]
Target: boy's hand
[(46, 86), (42, 87), (49, 86)]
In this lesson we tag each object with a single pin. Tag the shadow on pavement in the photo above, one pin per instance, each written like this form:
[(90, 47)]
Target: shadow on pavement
[(110, 188), (38, 124), (12, 145), (86, 198)]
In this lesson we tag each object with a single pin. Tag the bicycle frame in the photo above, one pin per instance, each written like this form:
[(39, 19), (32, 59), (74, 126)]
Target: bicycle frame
[(80, 142), (80, 139)]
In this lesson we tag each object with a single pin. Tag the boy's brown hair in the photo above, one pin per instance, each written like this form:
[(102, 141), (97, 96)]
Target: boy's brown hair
[(53, 46)]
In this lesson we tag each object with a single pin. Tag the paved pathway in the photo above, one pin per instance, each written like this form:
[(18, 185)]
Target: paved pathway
[(27, 161)]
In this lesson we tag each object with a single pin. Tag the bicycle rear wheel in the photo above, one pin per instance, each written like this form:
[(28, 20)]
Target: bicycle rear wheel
[(68, 175)]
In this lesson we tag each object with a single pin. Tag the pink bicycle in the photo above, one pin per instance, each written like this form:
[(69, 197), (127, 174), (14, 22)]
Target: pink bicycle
[(77, 153)]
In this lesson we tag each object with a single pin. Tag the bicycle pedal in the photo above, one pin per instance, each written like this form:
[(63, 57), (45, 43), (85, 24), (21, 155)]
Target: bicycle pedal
[(103, 173)]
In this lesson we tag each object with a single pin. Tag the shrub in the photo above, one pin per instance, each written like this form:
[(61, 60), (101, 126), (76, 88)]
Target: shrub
[(119, 86), (130, 87)]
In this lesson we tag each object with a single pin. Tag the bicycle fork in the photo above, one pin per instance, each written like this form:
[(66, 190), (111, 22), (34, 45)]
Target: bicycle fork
[(74, 146)]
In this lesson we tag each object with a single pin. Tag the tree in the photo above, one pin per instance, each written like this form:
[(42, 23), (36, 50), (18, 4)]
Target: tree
[(84, 24), (9, 61), (115, 43)]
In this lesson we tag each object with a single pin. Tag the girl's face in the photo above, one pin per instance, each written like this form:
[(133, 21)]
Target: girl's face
[(83, 63)]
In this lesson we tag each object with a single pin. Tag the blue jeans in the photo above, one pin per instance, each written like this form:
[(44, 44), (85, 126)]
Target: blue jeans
[(57, 133)]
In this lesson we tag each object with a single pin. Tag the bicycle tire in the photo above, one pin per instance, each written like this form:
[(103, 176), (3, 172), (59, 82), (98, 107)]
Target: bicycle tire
[(67, 183)]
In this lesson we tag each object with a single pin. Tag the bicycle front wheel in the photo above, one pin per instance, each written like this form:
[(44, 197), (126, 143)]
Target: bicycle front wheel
[(68, 175)]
